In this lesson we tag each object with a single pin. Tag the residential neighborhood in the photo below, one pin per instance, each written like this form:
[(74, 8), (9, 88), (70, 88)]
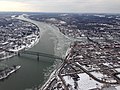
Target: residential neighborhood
[(16, 35)]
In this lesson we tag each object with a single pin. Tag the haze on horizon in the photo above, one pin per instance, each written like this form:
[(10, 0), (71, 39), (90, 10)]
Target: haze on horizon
[(76, 6)]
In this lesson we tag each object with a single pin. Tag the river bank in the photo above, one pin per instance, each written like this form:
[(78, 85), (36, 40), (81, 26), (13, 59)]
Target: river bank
[(30, 67), (23, 43), (51, 42), (8, 71), (55, 75), (61, 48)]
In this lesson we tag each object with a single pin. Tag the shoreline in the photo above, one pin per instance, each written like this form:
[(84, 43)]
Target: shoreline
[(7, 72), (60, 41), (26, 48), (54, 74), (33, 43)]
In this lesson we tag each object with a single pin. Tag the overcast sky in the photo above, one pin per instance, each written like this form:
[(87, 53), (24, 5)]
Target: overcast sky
[(76, 6)]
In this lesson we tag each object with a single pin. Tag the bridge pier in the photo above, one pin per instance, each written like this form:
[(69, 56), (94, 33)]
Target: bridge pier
[(18, 54), (37, 57)]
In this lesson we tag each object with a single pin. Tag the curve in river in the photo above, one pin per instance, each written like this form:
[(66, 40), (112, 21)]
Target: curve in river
[(32, 73)]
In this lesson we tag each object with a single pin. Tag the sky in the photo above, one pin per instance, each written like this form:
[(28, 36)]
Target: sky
[(69, 6)]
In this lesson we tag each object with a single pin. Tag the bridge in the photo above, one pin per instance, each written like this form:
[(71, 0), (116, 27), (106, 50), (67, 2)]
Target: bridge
[(33, 53), (39, 54)]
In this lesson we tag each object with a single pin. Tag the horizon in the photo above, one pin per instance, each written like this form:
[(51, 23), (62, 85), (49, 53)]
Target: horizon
[(55, 12)]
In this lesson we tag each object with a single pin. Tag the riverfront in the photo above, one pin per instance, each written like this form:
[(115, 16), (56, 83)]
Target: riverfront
[(93, 59), (32, 72)]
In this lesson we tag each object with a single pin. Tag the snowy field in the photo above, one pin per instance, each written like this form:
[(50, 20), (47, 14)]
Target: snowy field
[(87, 83), (84, 83)]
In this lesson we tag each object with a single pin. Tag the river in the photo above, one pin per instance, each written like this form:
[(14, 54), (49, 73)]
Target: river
[(33, 73)]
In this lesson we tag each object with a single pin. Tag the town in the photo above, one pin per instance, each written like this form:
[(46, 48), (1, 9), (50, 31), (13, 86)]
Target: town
[(16, 35), (93, 61)]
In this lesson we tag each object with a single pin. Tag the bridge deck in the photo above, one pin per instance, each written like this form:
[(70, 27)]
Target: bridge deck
[(41, 54)]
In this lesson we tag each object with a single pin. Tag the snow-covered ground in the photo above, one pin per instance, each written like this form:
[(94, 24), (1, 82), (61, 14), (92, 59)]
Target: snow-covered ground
[(25, 47), (7, 56), (34, 39), (101, 76), (61, 45), (117, 69), (84, 83)]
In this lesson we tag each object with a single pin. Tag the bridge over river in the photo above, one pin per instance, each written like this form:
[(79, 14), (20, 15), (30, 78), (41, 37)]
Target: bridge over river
[(39, 54), (33, 53)]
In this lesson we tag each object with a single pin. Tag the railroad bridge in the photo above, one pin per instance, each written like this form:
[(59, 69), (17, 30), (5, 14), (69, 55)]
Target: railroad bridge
[(33, 53), (39, 54)]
